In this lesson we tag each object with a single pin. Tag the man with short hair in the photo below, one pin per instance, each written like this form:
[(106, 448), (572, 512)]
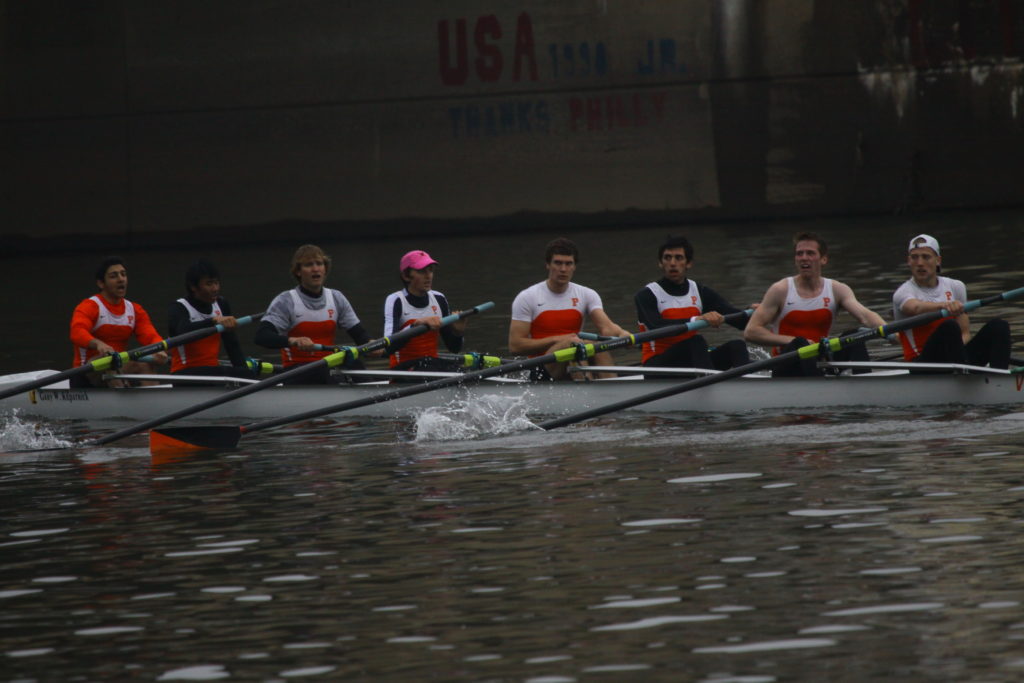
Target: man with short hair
[(798, 310), (103, 324), (419, 303), (549, 315), (301, 318), (947, 340), (201, 307), (675, 299)]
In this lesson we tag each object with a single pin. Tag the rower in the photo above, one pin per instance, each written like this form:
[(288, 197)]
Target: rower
[(549, 315), (947, 340), (203, 306), (674, 299), (103, 324), (799, 310), (418, 302), (301, 320)]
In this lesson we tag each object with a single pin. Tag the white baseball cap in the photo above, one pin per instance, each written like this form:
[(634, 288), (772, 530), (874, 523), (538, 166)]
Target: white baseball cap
[(923, 240)]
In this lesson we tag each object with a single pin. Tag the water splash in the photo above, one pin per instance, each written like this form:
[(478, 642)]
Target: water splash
[(17, 433), (470, 418)]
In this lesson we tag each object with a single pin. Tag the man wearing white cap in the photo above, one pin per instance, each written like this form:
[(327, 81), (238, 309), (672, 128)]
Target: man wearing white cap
[(418, 303), (947, 340)]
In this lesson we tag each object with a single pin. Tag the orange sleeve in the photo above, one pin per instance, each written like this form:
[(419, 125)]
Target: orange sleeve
[(144, 330), (82, 321)]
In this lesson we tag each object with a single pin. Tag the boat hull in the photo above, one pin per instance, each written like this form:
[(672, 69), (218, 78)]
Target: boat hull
[(750, 393)]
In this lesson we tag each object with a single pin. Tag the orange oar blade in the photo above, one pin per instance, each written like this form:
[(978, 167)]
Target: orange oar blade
[(177, 440)]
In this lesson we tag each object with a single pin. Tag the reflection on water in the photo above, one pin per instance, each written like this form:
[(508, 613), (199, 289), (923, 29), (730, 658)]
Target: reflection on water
[(770, 546), (650, 546)]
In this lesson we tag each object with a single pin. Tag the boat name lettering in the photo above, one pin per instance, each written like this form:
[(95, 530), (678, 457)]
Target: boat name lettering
[(64, 395)]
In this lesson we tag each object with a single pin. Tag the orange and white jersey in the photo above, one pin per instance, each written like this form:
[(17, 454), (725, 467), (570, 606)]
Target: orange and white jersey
[(299, 315), (551, 313), (421, 346), (672, 307), (809, 318), (946, 290), (203, 352), (111, 328), (113, 325)]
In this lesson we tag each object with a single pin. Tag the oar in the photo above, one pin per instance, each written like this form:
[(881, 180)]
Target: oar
[(473, 361), (179, 438), (333, 360), (257, 366), (465, 360), (590, 336), (105, 362), (803, 353)]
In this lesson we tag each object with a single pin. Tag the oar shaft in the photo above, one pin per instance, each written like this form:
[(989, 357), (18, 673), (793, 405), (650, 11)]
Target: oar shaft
[(105, 362), (563, 355)]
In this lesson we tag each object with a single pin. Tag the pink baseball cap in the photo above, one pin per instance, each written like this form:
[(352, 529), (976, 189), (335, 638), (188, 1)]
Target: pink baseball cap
[(415, 259)]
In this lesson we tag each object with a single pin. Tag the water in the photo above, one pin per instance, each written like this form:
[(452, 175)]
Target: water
[(460, 545)]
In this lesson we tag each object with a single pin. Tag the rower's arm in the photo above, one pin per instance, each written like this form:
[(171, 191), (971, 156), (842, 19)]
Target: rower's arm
[(758, 330), (912, 307), (604, 324), (848, 302), (520, 342)]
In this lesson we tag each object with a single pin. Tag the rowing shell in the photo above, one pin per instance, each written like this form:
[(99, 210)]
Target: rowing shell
[(887, 384)]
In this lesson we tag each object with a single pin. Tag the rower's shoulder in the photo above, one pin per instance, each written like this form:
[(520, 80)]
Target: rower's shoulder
[(778, 288)]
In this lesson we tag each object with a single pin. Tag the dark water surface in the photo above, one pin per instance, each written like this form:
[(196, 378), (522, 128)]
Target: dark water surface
[(852, 545)]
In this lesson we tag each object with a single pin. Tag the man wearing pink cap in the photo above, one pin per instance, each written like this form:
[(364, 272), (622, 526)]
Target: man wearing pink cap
[(417, 302), (947, 340)]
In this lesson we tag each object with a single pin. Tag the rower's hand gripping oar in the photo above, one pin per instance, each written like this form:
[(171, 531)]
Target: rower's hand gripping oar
[(803, 353), (115, 360), (177, 438), (330, 361)]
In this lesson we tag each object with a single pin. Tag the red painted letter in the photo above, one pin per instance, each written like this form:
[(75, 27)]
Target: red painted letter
[(453, 75), (525, 48)]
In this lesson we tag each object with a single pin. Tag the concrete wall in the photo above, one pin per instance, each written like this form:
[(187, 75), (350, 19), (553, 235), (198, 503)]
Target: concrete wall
[(133, 122)]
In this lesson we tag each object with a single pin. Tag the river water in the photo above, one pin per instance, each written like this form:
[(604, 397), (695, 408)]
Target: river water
[(773, 546)]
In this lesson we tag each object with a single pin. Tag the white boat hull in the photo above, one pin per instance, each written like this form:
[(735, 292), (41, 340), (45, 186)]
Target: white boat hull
[(882, 388)]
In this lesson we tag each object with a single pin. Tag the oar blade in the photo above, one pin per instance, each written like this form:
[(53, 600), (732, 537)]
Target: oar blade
[(180, 440)]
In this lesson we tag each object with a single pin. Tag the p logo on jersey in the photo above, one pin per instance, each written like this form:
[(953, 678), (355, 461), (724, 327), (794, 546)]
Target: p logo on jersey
[(574, 302)]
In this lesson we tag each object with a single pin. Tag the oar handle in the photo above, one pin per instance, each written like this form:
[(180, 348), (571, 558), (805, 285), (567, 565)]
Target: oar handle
[(104, 362)]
